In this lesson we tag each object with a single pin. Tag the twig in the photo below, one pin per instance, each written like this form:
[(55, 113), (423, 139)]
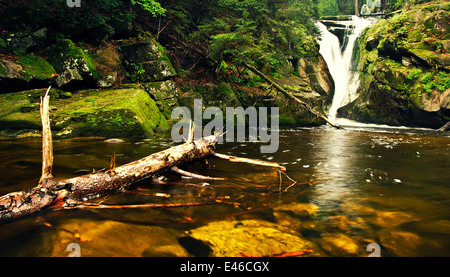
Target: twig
[(193, 175), (93, 206), (247, 160)]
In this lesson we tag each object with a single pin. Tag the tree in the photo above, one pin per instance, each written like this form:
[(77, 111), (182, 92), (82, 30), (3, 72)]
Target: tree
[(150, 6), (328, 7)]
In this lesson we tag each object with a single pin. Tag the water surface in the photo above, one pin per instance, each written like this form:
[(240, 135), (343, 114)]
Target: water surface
[(357, 186)]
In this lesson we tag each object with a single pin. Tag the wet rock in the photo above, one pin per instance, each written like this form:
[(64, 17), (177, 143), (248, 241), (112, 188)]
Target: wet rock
[(343, 223), (114, 140), (299, 209), (255, 237), (392, 219), (116, 239), (339, 244), (402, 244)]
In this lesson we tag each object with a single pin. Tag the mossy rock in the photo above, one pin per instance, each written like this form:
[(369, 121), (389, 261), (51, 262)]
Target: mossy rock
[(109, 113), (165, 94), (35, 67), (254, 237), (147, 61), (404, 79), (72, 63), (26, 72)]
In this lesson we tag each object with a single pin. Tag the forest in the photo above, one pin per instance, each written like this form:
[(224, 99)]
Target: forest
[(92, 91)]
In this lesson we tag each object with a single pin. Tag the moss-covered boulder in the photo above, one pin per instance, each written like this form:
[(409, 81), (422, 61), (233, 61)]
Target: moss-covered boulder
[(25, 71), (165, 94), (110, 113), (146, 61), (404, 69), (73, 64)]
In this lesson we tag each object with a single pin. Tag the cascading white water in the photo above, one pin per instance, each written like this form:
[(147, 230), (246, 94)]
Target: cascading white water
[(339, 61)]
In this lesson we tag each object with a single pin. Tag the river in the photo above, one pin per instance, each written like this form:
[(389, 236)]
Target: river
[(368, 185)]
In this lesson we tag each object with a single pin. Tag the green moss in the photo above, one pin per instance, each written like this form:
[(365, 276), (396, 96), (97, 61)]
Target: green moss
[(110, 113), (2, 70), (64, 49), (35, 67), (287, 120), (2, 43)]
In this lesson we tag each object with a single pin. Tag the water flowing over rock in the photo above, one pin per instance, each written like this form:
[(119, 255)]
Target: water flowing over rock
[(338, 52), (404, 70)]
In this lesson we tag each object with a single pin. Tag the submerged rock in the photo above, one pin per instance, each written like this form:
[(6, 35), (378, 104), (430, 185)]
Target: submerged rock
[(340, 244), (116, 239), (254, 237)]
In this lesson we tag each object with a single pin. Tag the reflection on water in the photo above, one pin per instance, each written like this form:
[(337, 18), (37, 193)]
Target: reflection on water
[(384, 186)]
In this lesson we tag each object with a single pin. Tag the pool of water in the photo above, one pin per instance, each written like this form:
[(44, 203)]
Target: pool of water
[(352, 187)]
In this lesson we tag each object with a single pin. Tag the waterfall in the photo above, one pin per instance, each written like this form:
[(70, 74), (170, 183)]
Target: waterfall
[(339, 60)]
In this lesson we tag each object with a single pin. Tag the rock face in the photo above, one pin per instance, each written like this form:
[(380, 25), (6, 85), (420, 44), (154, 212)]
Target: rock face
[(313, 84), (404, 70)]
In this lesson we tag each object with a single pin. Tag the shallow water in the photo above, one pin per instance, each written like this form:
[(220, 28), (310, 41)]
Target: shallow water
[(383, 186)]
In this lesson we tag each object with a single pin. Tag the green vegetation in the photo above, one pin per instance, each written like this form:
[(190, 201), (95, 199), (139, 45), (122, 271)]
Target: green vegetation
[(150, 6), (35, 67)]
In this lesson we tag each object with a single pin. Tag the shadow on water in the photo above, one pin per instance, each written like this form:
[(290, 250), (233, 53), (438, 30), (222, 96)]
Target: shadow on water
[(369, 185)]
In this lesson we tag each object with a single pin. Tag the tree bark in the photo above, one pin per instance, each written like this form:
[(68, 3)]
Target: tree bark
[(71, 192)]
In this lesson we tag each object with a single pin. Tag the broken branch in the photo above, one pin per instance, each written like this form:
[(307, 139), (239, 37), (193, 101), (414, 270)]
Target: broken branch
[(250, 161)]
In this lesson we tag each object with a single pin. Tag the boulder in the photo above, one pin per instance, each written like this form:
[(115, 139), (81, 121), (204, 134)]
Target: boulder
[(165, 94), (25, 72), (146, 61), (73, 64), (114, 239), (115, 113)]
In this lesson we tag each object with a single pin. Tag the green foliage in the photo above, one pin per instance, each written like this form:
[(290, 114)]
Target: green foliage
[(263, 33), (150, 6), (328, 7), (439, 81)]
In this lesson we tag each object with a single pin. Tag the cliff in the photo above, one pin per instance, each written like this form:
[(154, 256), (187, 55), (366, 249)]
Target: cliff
[(404, 67)]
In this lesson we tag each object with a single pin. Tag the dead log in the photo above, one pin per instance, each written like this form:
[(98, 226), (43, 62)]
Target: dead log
[(290, 96), (71, 192)]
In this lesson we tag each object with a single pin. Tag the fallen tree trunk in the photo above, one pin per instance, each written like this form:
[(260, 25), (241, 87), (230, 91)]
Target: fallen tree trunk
[(71, 192), (290, 96)]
